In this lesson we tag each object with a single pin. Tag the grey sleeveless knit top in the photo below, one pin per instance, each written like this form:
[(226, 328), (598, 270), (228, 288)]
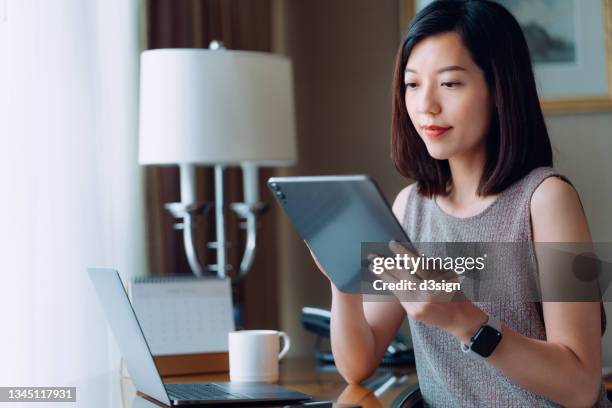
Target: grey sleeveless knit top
[(447, 376)]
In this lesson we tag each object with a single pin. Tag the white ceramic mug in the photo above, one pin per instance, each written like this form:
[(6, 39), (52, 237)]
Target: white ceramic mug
[(254, 355)]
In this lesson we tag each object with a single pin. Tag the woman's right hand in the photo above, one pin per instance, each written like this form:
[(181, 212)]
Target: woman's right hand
[(358, 348)]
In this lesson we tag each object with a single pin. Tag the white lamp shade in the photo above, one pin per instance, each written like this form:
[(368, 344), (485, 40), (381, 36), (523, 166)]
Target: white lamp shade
[(201, 106)]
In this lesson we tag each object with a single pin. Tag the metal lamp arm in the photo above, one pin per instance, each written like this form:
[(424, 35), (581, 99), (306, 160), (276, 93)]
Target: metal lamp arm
[(249, 210), (250, 213), (190, 251), (188, 209)]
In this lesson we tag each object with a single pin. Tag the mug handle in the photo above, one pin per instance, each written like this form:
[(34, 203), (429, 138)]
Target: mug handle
[(286, 344)]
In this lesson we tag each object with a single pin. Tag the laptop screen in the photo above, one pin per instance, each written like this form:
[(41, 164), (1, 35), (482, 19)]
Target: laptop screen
[(127, 331)]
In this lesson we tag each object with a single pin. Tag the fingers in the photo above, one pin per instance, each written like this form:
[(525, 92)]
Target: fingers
[(420, 269), (399, 249), (402, 284), (415, 282)]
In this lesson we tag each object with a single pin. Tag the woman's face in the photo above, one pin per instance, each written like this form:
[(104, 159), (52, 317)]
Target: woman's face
[(447, 97)]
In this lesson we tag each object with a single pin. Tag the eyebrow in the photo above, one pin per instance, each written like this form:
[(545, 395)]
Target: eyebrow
[(441, 70)]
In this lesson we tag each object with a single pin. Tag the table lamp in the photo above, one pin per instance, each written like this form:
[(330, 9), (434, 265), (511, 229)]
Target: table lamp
[(222, 108)]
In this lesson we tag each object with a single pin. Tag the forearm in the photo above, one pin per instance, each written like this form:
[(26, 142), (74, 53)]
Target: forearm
[(546, 368), (352, 340), (554, 370)]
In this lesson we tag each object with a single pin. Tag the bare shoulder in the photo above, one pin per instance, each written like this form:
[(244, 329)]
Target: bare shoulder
[(399, 205), (557, 214)]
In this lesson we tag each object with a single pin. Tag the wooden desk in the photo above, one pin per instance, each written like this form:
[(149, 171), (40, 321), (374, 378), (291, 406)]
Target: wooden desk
[(302, 374)]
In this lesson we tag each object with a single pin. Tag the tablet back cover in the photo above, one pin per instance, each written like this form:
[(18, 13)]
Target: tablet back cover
[(335, 215)]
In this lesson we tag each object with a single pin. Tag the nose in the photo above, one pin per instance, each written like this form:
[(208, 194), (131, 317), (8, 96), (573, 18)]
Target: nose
[(426, 101)]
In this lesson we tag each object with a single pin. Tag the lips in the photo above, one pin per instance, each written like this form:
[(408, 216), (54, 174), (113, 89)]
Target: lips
[(434, 131)]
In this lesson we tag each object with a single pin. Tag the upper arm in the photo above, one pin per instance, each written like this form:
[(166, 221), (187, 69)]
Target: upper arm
[(399, 205), (385, 317), (557, 216)]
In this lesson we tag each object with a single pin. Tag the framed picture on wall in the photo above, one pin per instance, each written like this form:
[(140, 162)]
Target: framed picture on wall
[(570, 42)]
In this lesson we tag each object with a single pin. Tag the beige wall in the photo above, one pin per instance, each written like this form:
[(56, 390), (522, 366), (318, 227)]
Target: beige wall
[(343, 53)]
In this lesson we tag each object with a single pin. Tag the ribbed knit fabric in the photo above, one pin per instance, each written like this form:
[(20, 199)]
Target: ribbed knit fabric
[(447, 376)]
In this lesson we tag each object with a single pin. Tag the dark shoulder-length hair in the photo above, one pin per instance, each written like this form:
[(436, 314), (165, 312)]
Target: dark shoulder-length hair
[(517, 141)]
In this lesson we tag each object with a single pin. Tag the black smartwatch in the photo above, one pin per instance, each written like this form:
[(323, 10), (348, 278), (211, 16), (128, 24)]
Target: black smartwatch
[(486, 339)]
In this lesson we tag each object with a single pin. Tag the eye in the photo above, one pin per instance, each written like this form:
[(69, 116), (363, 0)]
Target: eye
[(410, 85), (451, 85)]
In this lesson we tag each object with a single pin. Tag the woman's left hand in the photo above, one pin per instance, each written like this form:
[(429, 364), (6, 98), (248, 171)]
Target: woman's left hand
[(446, 309)]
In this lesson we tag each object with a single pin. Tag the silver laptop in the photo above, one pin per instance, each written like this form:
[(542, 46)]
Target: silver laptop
[(142, 369)]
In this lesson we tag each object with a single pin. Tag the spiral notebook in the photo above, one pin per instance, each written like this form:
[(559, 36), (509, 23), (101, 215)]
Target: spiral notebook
[(183, 314)]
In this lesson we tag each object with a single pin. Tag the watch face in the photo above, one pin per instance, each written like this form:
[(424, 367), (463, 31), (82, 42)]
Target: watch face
[(485, 341)]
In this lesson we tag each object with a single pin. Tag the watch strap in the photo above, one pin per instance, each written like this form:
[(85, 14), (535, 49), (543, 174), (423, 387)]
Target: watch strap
[(494, 322)]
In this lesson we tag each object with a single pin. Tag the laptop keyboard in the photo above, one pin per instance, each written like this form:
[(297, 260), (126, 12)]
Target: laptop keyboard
[(200, 391)]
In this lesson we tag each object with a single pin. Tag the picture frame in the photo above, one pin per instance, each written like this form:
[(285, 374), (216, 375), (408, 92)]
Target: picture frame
[(574, 68)]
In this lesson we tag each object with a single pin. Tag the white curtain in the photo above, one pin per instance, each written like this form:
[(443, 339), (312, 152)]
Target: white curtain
[(70, 188)]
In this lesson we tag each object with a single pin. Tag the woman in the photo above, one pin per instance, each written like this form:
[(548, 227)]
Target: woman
[(467, 126)]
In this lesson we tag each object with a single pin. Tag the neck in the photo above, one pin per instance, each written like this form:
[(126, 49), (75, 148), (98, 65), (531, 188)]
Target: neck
[(466, 172)]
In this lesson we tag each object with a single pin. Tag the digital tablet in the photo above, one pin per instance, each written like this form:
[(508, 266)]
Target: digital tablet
[(335, 215)]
